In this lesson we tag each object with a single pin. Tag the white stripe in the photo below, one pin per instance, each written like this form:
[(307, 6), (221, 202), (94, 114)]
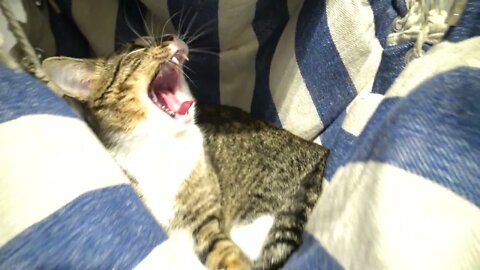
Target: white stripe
[(377, 216), (45, 162), (353, 32), (440, 58), (238, 49), (294, 6), (294, 104), (93, 17), (359, 111), (176, 252)]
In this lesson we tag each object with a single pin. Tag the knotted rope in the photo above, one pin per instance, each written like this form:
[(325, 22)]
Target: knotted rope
[(30, 61)]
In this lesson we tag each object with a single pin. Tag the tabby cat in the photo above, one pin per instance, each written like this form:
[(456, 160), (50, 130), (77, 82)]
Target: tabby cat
[(206, 170)]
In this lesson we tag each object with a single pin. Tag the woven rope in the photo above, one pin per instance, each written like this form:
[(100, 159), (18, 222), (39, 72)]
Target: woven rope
[(30, 61)]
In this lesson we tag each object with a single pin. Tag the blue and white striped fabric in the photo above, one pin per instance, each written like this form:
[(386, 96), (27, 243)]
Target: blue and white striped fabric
[(402, 183)]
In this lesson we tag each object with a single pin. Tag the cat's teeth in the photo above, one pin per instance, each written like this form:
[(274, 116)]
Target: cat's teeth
[(167, 110), (175, 60)]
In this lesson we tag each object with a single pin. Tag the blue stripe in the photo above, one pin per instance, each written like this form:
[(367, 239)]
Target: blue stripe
[(130, 22), (340, 143), (312, 255), (271, 17), (383, 14), (400, 7), (393, 57), (103, 229), (69, 41), (434, 132), (320, 64), (21, 95), (391, 65), (203, 69), (469, 24)]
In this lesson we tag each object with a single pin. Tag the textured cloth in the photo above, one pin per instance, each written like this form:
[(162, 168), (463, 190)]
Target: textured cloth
[(402, 183)]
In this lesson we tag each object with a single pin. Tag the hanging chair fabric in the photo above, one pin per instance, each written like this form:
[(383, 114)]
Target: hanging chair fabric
[(391, 87)]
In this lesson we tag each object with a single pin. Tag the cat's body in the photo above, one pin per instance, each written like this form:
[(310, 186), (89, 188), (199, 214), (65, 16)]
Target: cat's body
[(200, 169)]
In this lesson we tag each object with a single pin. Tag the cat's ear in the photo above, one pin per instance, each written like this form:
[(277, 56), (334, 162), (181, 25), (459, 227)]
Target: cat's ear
[(73, 77)]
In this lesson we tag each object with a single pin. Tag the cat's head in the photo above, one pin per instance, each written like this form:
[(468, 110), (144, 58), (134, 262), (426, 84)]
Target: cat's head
[(140, 85)]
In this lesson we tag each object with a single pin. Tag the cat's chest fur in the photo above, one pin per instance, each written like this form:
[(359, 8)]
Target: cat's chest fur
[(160, 164)]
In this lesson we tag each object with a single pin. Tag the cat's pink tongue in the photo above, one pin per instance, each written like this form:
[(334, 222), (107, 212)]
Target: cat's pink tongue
[(185, 107), (174, 104)]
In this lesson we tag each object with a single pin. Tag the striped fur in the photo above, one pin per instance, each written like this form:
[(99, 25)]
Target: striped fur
[(233, 170), (280, 174)]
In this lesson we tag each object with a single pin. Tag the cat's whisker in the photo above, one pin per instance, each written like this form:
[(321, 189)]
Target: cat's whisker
[(199, 33), (190, 79), (165, 24), (183, 72), (204, 52), (129, 25), (147, 30), (136, 51), (210, 49), (189, 69), (152, 33), (184, 35), (182, 19), (207, 50), (179, 67), (154, 38)]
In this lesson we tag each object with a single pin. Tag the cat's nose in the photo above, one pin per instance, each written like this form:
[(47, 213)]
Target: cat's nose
[(177, 45), (169, 37)]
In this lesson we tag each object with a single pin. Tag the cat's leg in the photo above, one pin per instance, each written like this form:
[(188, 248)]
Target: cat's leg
[(286, 234), (200, 211), (283, 239), (216, 249)]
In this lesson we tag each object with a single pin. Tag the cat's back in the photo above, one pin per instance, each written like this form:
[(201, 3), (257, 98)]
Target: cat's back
[(260, 167), (230, 129)]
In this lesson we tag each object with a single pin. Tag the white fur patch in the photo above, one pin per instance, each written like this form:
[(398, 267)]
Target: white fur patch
[(160, 164), (251, 237)]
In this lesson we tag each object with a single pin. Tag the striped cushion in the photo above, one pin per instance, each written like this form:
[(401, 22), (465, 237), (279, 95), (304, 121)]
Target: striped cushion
[(402, 183)]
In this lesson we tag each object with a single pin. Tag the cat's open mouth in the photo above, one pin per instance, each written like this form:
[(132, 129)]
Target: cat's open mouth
[(165, 90)]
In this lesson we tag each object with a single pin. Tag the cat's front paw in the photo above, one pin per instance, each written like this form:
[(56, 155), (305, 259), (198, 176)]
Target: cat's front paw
[(228, 257)]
